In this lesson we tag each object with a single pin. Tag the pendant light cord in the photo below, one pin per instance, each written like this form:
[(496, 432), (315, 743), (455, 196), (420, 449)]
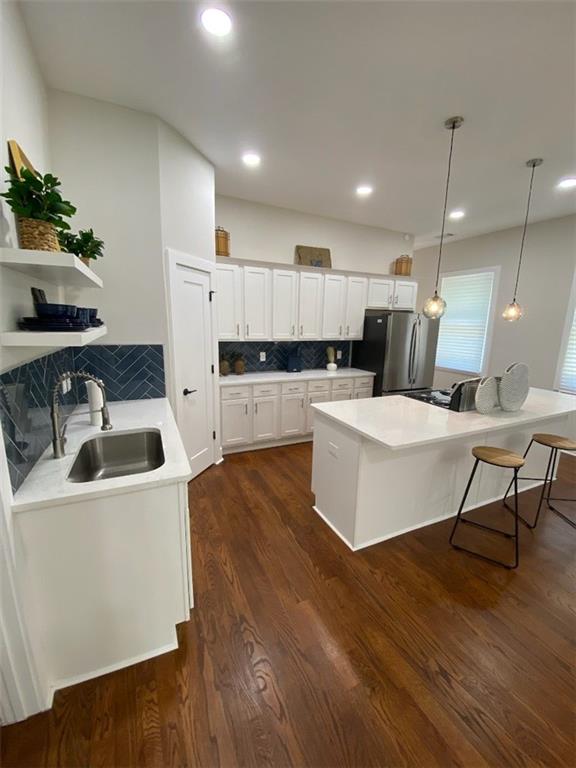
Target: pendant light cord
[(524, 231), (445, 205)]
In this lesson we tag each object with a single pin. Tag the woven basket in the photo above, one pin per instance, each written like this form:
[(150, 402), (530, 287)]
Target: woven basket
[(37, 235)]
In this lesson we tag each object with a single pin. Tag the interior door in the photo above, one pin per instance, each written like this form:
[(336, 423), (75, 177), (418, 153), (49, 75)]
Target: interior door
[(192, 331), (310, 305), (284, 304), (356, 298), (334, 305), (257, 304)]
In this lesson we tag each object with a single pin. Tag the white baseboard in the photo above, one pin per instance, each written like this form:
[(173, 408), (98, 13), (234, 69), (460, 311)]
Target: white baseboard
[(336, 531), (269, 444)]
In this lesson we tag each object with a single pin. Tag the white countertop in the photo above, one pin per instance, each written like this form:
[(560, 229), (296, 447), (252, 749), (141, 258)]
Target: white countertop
[(47, 484), (399, 422), (271, 377)]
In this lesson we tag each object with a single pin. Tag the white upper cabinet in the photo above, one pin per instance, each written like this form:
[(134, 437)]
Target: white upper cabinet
[(310, 311), (257, 304), (356, 298), (405, 292), (284, 304), (334, 306), (229, 302), (380, 293)]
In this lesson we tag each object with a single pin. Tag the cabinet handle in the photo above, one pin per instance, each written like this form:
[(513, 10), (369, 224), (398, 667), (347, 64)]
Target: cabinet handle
[(238, 329), (301, 330), (340, 331), (347, 330), (302, 403), (395, 299), (255, 407), (246, 409), (247, 329), (293, 330)]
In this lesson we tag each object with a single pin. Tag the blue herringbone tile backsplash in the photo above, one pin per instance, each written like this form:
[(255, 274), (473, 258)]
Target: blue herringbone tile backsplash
[(312, 353), (130, 372)]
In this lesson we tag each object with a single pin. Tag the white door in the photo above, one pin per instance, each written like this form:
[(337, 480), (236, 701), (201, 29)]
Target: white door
[(318, 397), (292, 415), (356, 298), (284, 304), (380, 293), (310, 305), (229, 302), (257, 304), (334, 306), (405, 294), (236, 419), (265, 419), (193, 359)]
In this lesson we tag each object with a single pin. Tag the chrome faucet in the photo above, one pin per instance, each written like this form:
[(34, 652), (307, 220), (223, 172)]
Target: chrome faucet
[(58, 435)]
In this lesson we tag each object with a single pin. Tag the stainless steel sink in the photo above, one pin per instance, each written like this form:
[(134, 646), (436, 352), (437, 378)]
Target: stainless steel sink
[(116, 455)]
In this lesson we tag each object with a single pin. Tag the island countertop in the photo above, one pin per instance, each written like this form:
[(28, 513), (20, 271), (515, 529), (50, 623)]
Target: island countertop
[(399, 422)]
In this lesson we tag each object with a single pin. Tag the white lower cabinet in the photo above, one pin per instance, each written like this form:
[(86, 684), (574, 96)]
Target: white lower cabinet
[(316, 397), (341, 395), (292, 415), (362, 393), (236, 423), (265, 420)]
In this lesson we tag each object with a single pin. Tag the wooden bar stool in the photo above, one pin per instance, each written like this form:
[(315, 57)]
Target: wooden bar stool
[(555, 443), (497, 457)]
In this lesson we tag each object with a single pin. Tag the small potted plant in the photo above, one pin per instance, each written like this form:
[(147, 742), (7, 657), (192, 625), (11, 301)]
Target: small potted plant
[(85, 245), (39, 208)]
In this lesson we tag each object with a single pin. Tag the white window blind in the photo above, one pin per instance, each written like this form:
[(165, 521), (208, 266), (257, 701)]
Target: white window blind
[(568, 376), (464, 326)]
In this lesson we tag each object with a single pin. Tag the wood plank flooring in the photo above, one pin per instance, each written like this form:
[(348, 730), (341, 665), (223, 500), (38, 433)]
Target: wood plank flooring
[(302, 653)]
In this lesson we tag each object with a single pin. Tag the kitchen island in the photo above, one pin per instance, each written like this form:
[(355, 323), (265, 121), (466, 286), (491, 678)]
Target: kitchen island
[(385, 466)]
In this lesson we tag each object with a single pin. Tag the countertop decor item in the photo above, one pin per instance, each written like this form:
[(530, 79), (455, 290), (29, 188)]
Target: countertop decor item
[(224, 367), (39, 208), (331, 355), (403, 266), (222, 242), (239, 364), (310, 256), (513, 311), (487, 395), (435, 306), (85, 245), (513, 387)]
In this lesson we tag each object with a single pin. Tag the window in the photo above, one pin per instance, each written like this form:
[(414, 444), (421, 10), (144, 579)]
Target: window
[(462, 340), (568, 374)]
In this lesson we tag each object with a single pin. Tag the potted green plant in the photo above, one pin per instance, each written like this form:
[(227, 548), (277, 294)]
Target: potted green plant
[(85, 244), (39, 208)]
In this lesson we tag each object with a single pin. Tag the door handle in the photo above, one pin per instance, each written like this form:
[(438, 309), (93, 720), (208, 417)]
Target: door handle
[(187, 391)]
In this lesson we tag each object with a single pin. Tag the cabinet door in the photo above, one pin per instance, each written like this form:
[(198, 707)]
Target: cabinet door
[(284, 304), (361, 394), (310, 305), (356, 298), (257, 304), (317, 397), (334, 306), (344, 395), (380, 293), (229, 302), (265, 421), (405, 294), (236, 419), (292, 415)]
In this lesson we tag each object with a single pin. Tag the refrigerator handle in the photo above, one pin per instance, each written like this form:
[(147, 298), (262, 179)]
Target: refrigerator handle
[(417, 351), (411, 354)]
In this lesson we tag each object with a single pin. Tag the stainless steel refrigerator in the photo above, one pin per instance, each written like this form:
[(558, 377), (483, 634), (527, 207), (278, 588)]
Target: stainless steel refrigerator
[(400, 348)]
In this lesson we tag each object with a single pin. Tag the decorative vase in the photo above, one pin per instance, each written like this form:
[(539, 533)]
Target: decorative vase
[(36, 235), (513, 387), (331, 367), (224, 367), (487, 395), (239, 366)]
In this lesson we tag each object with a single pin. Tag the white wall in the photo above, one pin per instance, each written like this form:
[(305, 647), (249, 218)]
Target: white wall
[(267, 233), (23, 117), (544, 291), (186, 195)]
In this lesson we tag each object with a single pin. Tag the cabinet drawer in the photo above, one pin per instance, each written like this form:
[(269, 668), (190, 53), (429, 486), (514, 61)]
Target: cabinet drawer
[(263, 390), (340, 384), (294, 387), (364, 382), (232, 393), (323, 385), (362, 394)]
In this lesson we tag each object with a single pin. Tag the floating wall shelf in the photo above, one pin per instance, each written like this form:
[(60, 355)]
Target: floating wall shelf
[(51, 338), (54, 267)]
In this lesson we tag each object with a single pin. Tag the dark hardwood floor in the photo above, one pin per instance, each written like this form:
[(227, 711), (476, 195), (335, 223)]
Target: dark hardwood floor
[(302, 653)]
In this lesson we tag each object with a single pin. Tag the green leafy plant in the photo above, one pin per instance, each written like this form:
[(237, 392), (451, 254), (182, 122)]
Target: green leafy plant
[(85, 244), (32, 196)]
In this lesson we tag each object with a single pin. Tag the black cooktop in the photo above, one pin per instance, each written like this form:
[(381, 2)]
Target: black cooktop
[(439, 397)]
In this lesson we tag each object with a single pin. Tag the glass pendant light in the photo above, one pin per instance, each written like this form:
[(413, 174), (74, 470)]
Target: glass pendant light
[(513, 311), (435, 306)]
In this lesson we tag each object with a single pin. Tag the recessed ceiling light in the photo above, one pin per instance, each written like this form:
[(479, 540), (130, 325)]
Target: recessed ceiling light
[(569, 183), (216, 21), (364, 190), (251, 159), (457, 214)]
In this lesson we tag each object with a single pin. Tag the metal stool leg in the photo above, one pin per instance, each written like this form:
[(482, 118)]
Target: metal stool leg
[(460, 519), (547, 484), (549, 498)]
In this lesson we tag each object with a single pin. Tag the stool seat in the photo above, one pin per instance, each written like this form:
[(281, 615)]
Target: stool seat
[(499, 457), (555, 441)]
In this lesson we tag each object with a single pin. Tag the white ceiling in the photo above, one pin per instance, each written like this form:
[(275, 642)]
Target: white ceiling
[(337, 93)]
